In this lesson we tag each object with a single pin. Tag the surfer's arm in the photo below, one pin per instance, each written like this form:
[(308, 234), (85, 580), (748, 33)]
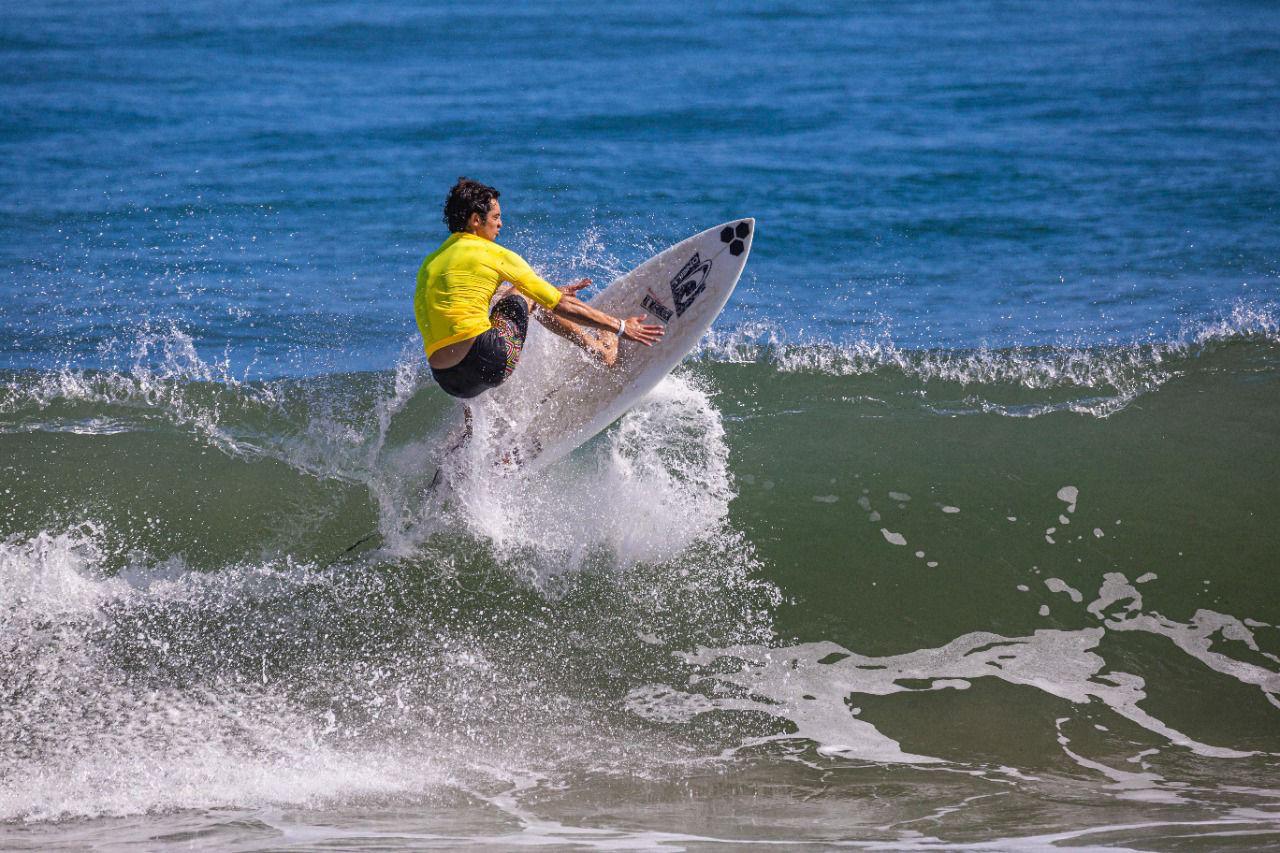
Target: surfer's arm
[(573, 309), (513, 268), (563, 302)]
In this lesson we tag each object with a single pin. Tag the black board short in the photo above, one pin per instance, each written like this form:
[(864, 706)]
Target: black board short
[(493, 355)]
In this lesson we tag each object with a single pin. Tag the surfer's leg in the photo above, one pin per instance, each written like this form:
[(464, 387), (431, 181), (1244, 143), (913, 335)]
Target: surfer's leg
[(466, 426), (460, 435), (510, 319), (506, 290), (603, 346)]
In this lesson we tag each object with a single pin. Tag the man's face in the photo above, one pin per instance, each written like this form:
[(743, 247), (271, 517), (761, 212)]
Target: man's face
[(491, 224)]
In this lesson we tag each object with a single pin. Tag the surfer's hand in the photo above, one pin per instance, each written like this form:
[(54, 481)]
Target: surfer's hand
[(572, 289), (636, 330)]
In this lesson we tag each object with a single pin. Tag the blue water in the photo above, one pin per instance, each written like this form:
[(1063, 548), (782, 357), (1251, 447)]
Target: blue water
[(267, 179), (960, 528)]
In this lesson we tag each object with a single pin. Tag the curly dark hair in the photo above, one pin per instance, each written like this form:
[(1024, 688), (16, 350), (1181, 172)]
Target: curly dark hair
[(467, 197)]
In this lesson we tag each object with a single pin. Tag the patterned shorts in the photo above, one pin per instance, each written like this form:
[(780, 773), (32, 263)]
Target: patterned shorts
[(493, 355)]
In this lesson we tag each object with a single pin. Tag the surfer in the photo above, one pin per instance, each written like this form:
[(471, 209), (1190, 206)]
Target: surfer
[(472, 330)]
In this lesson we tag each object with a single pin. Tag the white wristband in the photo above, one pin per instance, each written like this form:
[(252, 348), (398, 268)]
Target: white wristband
[(622, 327)]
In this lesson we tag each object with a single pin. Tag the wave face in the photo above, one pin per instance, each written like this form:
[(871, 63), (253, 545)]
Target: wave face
[(988, 579)]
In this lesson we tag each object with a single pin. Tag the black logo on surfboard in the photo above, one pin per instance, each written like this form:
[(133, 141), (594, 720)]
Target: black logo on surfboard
[(651, 304), (689, 282)]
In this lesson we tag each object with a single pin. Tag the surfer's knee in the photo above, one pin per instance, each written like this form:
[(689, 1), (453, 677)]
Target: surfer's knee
[(607, 350), (506, 290)]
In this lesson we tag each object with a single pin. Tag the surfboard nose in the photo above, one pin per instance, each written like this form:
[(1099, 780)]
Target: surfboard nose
[(738, 235)]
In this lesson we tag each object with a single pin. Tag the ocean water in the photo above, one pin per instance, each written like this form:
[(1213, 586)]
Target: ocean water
[(958, 530)]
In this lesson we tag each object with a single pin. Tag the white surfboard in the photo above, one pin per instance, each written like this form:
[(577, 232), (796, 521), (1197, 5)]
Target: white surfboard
[(558, 398)]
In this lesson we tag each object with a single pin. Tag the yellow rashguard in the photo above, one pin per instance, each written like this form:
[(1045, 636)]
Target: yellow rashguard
[(456, 282)]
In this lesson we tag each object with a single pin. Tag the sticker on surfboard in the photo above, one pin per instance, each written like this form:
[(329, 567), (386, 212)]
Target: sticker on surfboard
[(655, 307)]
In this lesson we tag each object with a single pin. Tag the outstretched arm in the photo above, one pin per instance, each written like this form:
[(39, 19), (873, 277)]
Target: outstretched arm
[(571, 308)]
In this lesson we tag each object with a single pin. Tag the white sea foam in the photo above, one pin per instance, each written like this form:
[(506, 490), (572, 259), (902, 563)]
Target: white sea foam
[(162, 688), (80, 736), (813, 684), (649, 488), (893, 538), (161, 364), (159, 376), (1143, 786), (1106, 378), (1059, 585), (1069, 495)]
